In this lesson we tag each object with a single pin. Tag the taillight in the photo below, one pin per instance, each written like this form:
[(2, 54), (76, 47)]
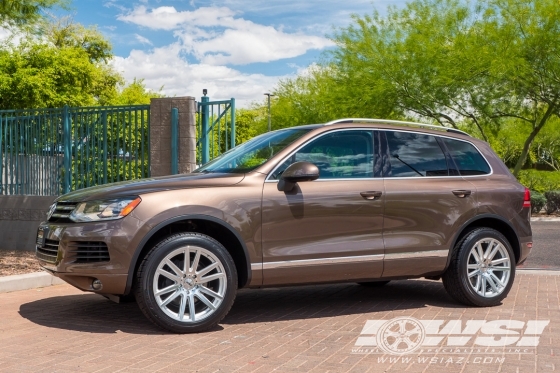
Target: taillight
[(527, 198)]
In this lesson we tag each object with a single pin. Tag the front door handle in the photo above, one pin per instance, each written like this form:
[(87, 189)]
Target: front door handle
[(371, 195), (462, 193)]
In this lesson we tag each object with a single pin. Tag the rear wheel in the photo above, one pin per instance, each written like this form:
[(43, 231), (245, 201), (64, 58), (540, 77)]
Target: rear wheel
[(482, 269), (186, 283), (374, 284)]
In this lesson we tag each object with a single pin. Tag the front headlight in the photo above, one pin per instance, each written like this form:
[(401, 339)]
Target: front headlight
[(104, 210)]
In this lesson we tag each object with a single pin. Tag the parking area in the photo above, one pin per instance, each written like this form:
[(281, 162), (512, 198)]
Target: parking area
[(295, 329)]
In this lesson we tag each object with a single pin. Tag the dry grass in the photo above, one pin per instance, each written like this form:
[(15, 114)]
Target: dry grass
[(17, 262)]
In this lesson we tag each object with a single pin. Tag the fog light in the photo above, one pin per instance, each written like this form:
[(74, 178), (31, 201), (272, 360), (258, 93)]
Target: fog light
[(97, 285)]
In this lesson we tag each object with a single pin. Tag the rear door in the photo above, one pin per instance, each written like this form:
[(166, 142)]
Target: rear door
[(426, 202)]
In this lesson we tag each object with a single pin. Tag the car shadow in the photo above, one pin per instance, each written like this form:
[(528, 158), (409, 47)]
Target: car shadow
[(95, 314)]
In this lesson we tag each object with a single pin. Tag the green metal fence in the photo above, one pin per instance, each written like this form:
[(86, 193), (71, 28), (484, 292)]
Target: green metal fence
[(215, 127), (54, 151)]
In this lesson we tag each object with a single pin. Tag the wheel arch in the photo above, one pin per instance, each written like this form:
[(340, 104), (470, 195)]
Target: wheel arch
[(205, 224), (491, 221)]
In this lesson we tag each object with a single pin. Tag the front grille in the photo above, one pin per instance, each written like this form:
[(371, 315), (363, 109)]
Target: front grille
[(48, 252), (62, 212), (87, 252)]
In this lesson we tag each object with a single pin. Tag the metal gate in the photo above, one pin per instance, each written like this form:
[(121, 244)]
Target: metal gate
[(52, 151), (215, 127)]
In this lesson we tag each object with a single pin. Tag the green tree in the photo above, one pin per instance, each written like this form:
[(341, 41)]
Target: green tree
[(25, 12), (68, 65), (459, 64)]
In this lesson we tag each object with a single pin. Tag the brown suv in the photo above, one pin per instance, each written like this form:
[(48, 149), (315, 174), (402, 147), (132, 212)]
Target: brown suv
[(353, 200)]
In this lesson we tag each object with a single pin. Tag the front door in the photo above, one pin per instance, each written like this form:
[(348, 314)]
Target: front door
[(329, 229)]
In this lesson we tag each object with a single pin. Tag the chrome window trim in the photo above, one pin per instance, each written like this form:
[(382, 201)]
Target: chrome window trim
[(268, 180), (321, 261)]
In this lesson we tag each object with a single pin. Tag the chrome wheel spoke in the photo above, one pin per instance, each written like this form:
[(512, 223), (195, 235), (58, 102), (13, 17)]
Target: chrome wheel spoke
[(474, 273), (210, 292), (205, 300), (490, 280), (192, 310), (170, 298), (167, 290), (195, 261), (494, 251), (499, 268), (204, 271), (175, 269), (213, 277), (499, 261), (170, 276), (187, 260), (496, 279), (182, 307)]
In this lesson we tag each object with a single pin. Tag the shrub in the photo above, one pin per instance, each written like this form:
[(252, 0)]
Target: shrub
[(540, 181), (537, 201), (552, 201)]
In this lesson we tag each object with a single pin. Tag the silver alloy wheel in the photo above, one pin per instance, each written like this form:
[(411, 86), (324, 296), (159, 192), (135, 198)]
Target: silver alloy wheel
[(488, 267), (189, 284)]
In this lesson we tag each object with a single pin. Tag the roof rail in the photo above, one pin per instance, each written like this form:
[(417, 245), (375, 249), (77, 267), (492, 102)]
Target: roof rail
[(397, 122)]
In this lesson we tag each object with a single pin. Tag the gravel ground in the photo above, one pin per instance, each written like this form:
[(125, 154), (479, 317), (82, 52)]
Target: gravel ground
[(17, 262)]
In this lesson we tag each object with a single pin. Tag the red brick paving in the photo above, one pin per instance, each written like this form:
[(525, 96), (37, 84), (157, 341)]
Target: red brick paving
[(297, 329)]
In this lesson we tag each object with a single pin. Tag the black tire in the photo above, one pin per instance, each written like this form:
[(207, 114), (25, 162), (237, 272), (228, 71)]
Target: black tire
[(456, 280), (144, 288), (374, 284)]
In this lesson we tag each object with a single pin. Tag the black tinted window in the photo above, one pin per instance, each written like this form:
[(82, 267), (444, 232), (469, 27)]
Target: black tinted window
[(414, 155), (338, 155), (467, 158)]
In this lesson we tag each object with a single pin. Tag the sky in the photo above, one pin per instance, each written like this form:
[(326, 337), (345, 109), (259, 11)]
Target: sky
[(233, 48)]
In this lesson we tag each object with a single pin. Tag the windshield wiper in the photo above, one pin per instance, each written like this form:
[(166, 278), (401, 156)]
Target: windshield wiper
[(409, 166)]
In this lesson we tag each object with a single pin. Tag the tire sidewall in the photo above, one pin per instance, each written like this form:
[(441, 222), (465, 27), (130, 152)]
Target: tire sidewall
[(160, 252), (464, 252)]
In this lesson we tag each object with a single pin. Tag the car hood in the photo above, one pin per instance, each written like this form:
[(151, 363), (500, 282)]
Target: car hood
[(150, 185)]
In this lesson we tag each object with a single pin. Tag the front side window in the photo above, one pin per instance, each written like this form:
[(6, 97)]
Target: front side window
[(467, 158), (344, 154), (413, 155), (250, 155)]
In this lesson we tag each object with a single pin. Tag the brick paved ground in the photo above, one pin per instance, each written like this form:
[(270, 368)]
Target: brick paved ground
[(305, 329)]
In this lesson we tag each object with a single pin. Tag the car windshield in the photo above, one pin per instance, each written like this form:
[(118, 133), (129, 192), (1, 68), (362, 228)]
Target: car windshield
[(250, 155)]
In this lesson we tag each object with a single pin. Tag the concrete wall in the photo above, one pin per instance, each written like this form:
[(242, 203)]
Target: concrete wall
[(160, 134), (19, 218)]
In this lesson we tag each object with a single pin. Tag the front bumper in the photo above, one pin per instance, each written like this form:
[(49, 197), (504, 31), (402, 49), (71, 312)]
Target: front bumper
[(70, 251)]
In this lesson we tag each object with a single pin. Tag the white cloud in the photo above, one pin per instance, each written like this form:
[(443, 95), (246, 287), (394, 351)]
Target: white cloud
[(215, 36), (142, 39), (165, 67)]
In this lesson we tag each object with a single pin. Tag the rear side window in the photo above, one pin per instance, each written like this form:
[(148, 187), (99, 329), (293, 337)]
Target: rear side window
[(413, 155), (467, 158)]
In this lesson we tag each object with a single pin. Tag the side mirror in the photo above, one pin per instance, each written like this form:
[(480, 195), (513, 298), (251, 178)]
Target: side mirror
[(297, 172)]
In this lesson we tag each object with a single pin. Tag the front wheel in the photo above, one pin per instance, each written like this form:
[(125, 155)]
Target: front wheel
[(186, 283), (482, 269)]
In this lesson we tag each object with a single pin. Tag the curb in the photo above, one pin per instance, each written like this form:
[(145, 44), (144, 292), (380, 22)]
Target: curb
[(545, 219), (28, 281)]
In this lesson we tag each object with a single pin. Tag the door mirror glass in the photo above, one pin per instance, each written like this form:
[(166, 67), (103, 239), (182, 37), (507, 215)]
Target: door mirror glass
[(297, 172)]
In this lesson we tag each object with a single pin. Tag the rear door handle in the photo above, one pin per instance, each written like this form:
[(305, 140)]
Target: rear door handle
[(371, 195), (462, 193)]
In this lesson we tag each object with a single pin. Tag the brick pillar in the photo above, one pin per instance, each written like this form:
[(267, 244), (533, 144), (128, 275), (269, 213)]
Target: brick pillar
[(160, 134)]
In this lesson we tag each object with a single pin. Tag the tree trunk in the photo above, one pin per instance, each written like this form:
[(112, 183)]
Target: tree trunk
[(527, 145)]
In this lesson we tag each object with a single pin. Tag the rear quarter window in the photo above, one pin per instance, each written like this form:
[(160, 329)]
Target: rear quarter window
[(468, 159)]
